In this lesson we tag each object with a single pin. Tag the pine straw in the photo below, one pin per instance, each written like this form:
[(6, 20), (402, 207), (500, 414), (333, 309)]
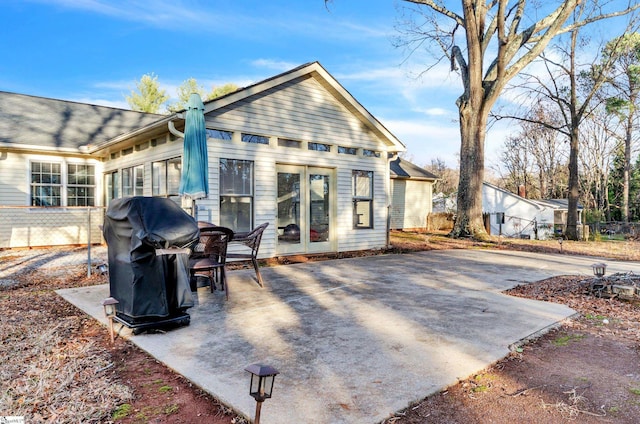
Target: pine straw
[(622, 317), (52, 369)]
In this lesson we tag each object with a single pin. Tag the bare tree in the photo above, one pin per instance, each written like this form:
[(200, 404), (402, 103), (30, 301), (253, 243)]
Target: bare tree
[(447, 177), (516, 166), (599, 145), (625, 99), (573, 88), (535, 157), (498, 44)]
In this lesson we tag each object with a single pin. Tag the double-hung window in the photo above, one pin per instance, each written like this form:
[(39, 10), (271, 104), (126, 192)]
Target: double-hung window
[(236, 194), (81, 183), (46, 184), (362, 199), (54, 184)]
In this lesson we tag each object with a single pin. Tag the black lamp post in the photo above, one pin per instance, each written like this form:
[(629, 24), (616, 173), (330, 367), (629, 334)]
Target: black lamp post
[(261, 386), (599, 269), (109, 305)]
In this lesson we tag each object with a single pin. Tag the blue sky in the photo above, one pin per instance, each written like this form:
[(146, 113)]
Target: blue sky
[(95, 50)]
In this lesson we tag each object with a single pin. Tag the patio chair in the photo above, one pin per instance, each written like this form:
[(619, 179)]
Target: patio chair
[(209, 257), (252, 241)]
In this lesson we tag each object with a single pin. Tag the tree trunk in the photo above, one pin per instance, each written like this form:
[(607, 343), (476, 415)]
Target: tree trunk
[(469, 215), (574, 185), (626, 175)]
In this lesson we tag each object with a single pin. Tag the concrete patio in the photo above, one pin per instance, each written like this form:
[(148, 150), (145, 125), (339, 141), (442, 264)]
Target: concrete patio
[(356, 339)]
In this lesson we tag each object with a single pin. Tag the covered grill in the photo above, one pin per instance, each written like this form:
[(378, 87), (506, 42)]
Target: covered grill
[(148, 262)]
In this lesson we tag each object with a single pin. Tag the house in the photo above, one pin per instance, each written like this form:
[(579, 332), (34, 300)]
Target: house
[(295, 150), (49, 182), (511, 215), (411, 195)]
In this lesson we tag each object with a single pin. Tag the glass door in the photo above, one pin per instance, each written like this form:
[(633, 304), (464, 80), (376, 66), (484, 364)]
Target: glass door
[(320, 206), (305, 209), (290, 215)]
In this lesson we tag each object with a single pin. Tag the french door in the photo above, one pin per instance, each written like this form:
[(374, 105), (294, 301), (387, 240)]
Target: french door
[(306, 204)]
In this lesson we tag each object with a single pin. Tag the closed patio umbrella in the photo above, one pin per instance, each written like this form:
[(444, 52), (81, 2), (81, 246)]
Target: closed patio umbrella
[(194, 182)]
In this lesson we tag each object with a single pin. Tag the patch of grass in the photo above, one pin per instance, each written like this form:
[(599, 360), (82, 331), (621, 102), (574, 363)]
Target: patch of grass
[(613, 410), (635, 390), (121, 411), (595, 317), (171, 409), (479, 389), (165, 389), (564, 340)]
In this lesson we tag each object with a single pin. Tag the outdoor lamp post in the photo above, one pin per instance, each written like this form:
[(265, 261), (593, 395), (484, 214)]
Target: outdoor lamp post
[(261, 386), (109, 305), (599, 269), (102, 269)]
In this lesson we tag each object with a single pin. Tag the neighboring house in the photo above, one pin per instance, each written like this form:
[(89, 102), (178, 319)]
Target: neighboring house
[(411, 195), (511, 215), (296, 150)]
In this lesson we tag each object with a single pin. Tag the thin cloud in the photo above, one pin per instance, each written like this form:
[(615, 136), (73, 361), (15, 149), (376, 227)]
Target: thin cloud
[(274, 65)]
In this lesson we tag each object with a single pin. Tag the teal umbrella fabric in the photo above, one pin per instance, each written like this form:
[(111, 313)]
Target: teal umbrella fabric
[(194, 181)]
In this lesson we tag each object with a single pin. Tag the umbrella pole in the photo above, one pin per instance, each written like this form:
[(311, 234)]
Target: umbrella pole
[(194, 211)]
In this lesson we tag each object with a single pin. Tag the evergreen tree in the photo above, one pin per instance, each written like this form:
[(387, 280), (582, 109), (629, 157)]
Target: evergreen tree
[(149, 97)]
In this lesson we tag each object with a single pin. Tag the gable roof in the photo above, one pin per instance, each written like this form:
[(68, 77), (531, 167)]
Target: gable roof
[(403, 169), (511, 194), (39, 123), (317, 71), (556, 204)]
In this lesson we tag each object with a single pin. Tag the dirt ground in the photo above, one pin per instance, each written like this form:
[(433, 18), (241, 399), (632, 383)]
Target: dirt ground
[(60, 366)]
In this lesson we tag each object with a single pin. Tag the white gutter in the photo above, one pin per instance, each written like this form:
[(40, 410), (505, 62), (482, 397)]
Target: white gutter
[(174, 131)]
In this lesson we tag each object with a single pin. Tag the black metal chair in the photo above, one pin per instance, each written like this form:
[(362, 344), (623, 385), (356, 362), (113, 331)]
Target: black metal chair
[(209, 256)]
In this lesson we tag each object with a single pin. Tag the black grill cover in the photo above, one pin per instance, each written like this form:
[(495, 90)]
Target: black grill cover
[(146, 284)]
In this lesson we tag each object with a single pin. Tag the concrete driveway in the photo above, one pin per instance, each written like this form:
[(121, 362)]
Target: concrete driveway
[(357, 339)]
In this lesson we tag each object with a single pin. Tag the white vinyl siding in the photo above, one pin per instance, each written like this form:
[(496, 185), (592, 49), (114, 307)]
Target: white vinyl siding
[(411, 203)]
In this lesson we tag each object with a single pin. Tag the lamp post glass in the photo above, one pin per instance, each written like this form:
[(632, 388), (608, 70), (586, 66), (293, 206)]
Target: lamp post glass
[(599, 269), (109, 305), (262, 379)]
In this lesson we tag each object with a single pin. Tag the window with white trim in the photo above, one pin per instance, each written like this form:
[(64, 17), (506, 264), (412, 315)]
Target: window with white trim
[(133, 181), (165, 177), (81, 185), (111, 186), (362, 199), (236, 194), (53, 184)]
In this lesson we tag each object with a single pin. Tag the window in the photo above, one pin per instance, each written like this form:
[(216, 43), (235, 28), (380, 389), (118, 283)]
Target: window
[(111, 186), (362, 199), (133, 181), (252, 138), (370, 153), (236, 194), (320, 147), (347, 150), (285, 142), (165, 176), (219, 134), (47, 186), (81, 182)]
